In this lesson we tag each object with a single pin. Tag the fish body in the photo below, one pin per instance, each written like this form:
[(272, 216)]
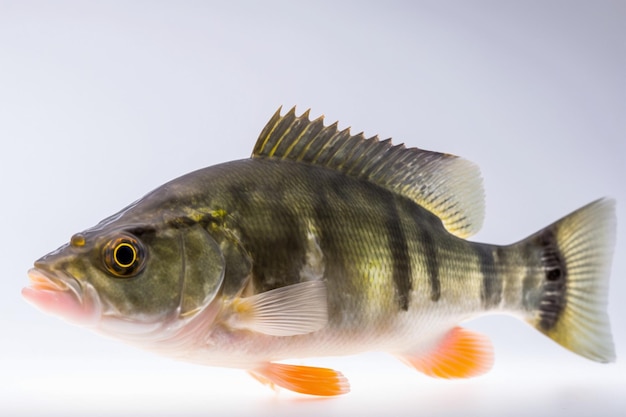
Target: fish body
[(324, 243)]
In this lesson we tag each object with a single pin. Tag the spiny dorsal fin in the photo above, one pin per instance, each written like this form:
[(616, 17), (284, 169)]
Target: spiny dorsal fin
[(446, 185)]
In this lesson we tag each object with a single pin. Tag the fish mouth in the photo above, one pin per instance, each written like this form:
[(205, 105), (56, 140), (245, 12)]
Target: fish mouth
[(63, 296), (42, 282)]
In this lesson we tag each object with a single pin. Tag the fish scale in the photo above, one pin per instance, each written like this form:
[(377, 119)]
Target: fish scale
[(326, 243)]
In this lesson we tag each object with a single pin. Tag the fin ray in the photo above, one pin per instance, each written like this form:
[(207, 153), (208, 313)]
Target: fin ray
[(287, 311), (576, 256), (460, 354), (303, 379), (448, 186)]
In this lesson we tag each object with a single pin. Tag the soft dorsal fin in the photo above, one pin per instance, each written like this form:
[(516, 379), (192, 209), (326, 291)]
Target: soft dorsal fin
[(446, 185)]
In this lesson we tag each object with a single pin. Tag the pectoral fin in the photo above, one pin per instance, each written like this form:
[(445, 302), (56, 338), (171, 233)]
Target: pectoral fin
[(287, 311), (303, 379), (460, 354)]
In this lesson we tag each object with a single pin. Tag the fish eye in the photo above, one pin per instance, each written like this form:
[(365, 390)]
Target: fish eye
[(124, 256)]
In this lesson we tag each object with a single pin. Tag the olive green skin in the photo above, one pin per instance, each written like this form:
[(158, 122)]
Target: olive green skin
[(394, 275), (369, 232)]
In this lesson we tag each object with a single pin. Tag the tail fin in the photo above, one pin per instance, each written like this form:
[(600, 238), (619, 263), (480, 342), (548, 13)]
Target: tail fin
[(568, 302)]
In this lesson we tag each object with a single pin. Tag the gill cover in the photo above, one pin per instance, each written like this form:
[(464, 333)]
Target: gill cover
[(202, 273)]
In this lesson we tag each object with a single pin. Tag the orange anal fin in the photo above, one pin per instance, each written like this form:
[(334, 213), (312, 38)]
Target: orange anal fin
[(460, 354), (303, 379)]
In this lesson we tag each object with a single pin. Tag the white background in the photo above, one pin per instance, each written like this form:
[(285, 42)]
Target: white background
[(101, 102)]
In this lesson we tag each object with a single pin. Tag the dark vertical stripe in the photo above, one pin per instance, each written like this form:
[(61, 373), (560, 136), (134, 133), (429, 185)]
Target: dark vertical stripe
[(272, 233), (334, 246), (529, 282), (432, 263), (401, 261), (491, 289), (553, 296)]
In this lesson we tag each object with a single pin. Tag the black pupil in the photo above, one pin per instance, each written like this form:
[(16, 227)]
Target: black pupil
[(125, 255)]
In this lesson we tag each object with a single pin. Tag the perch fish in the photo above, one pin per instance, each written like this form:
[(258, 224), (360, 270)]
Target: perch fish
[(327, 243)]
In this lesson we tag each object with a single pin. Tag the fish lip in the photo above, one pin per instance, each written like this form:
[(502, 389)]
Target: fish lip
[(42, 280), (58, 293)]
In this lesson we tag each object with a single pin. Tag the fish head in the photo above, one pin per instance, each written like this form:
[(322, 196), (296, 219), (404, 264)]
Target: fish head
[(139, 281)]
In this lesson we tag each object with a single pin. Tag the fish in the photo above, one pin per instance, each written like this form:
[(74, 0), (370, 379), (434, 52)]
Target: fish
[(324, 243)]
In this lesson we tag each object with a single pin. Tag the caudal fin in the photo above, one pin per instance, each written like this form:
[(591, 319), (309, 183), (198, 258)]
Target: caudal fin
[(569, 299)]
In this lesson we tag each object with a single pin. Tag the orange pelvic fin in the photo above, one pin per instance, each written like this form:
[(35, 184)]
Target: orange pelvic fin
[(303, 379), (460, 354)]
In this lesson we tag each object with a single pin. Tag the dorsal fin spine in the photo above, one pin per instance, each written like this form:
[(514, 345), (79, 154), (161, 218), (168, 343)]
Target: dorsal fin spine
[(357, 162), (349, 147), (329, 150), (284, 126), (343, 152), (311, 145), (314, 147), (447, 186), (384, 158), (330, 143), (297, 129), (304, 146), (267, 131)]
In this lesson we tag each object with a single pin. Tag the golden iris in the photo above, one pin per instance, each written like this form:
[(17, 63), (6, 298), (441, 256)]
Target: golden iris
[(124, 256)]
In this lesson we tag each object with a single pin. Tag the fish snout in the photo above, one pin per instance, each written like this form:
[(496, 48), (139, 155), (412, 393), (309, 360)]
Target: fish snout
[(61, 296)]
